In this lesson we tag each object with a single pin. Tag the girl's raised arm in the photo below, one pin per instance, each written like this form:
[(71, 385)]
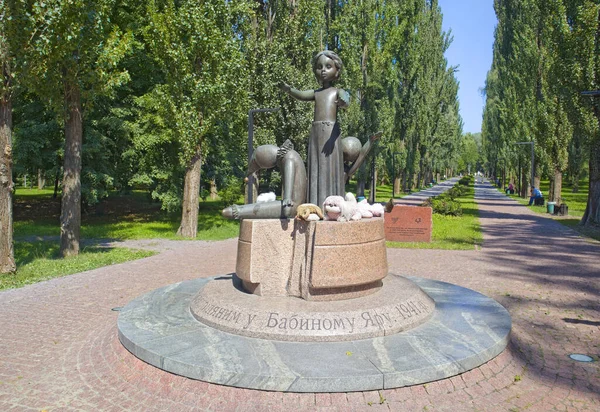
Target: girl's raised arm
[(343, 98), (304, 95)]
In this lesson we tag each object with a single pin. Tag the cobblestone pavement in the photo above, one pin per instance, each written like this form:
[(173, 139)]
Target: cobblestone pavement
[(59, 347)]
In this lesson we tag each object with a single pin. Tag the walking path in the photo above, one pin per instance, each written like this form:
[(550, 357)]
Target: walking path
[(59, 347), (418, 198)]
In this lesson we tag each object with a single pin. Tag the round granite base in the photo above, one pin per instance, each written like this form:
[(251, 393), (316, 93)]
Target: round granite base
[(398, 306), (466, 330)]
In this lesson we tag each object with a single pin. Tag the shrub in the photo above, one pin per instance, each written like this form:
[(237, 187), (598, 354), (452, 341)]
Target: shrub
[(465, 180), (445, 204), (232, 192), (447, 207), (454, 192), (204, 194)]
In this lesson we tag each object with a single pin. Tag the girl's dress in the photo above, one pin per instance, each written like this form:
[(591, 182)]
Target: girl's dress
[(325, 162)]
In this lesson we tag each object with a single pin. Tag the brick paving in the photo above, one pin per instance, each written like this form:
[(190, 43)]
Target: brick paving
[(59, 347)]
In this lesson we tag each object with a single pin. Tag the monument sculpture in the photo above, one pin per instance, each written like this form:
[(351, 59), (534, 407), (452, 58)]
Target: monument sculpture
[(309, 293), (331, 159), (325, 154), (293, 183)]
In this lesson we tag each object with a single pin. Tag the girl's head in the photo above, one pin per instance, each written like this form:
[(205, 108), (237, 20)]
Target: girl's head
[(323, 59)]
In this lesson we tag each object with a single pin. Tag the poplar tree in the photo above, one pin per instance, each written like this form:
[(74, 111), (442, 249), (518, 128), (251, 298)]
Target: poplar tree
[(583, 17), (70, 55), (7, 51), (203, 86)]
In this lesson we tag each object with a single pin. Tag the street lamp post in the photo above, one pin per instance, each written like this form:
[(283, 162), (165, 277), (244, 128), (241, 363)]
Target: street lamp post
[(394, 173), (532, 160), (372, 192), (251, 145)]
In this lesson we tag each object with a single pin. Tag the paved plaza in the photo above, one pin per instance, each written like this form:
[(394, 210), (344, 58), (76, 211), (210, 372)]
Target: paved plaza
[(60, 352)]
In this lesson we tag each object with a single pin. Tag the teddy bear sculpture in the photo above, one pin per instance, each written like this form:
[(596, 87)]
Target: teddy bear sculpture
[(338, 209), (309, 212)]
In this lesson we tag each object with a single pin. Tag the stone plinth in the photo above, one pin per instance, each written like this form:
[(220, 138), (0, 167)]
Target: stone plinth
[(408, 224), (400, 305), (466, 330), (313, 260)]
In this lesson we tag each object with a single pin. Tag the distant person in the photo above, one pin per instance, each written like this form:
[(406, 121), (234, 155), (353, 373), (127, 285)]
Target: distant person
[(535, 194), (510, 190)]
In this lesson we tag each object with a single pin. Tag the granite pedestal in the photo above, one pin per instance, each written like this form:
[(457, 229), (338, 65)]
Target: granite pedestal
[(398, 306), (312, 308), (465, 330), (315, 261)]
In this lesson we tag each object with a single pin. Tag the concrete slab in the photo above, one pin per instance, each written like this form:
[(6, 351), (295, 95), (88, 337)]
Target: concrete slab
[(466, 330)]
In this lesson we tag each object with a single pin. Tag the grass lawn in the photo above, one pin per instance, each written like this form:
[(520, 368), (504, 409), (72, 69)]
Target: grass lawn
[(453, 232), (576, 202), (131, 216), (37, 261), (120, 217)]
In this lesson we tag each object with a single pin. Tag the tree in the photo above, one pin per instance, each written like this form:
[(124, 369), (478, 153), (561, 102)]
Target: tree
[(583, 17), (469, 154), (71, 49), (545, 54), (194, 46), (7, 259)]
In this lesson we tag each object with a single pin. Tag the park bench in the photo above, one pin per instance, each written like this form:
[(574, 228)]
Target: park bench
[(539, 201)]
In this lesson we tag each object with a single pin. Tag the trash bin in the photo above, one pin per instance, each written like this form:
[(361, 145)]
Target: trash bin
[(550, 206), (562, 210)]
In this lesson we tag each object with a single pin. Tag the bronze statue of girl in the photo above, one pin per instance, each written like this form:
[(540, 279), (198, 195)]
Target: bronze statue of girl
[(325, 156)]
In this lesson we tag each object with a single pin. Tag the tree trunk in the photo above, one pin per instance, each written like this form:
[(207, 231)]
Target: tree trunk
[(591, 216), (524, 185), (360, 187), (397, 185), (247, 188), (7, 255), (557, 186), (56, 181), (213, 190), (41, 179), (70, 212), (191, 197)]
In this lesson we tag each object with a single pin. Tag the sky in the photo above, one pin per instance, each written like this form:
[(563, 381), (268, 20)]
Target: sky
[(472, 23)]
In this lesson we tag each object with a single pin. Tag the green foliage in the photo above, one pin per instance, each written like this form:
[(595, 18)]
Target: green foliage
[(465, 180), (196, 106), (37, 138), (166, 80), (457, 190), (545, 55), (232, 192), (444, 205), (470, 156)]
